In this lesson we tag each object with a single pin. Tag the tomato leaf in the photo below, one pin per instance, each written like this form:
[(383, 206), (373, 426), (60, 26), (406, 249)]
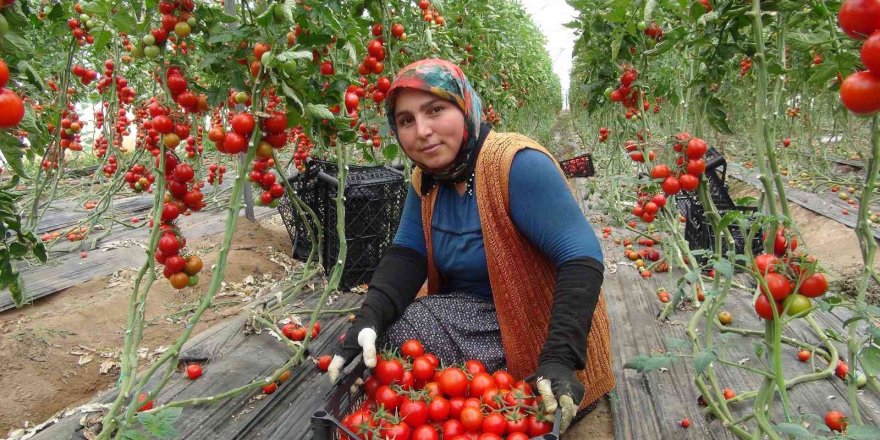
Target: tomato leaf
[(676, 344), (130, 434), (319, 111), (644, 363), (723, 267), (870, 360), (161, 423), (759, 349), (12, 150), (794, 429), (389, 151), (703, 359), (862, 432), (717, 116)]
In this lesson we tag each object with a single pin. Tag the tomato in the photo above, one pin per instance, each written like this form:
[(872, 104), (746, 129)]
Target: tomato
[(438, 409), (243, 123), (835, 420), (169, 245), (474, 366), (539, 426), (425, 432), (453, 382), (860, 93), (193, 371), (517, 436), (728, 393), (179, 280), (493, 398), (397, 30), (841, 370), (660, 171), (270, 388), (503, 379), (804, 355), (413, 412), (671, 185), (396, 431), (778, 285), (433, 389), (765, 263), (859, 18), (696, 148), (422, 368), (725, 318), (275, 123), (11, 109), (147, 404), (412, 348), (324, 362), (685, 423), (494, 423), (871, 53), (480, 383), (408, 381), (763, 307), (456, 404), (234, 143), (696, 166), (371, 384), (387, 397), (298, 333), (388, 371), (360, 422), (4, 74), (689, 182), (797, 305), (471, 419), (814, 285), (452, 428), (659, 200), (517, 422)]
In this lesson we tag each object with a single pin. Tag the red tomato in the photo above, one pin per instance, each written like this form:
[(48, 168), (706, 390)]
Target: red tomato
[(860, 93), (517, 423), (413, 412), (860, 18), (438, 409), (275, 123), (671, 185), (452, 428), (778, 285), (193, 371), (243, 123), (11, 109), (696, 148), (503, 379), (387, 397), (835, 420), (360, 421), (324, 362), (471, 419), (814, 286), (689, 182), (371, 384), (474, 366), (388, 371), (425, 432), (453, 382), (480, 383), (422, 368), (492, 398), (433, 389), (763, 307), (494, 423), (4, 74), (660, 171), (696, 166), (456, 404), (517, 436), (412, 348), (764, 263), (539, 426), (395, 431)]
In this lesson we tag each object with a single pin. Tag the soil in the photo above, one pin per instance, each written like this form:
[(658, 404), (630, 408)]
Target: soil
[(53, 350)]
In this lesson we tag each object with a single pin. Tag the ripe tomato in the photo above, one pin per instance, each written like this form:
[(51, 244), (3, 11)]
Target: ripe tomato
[(841, 370), (696, 166), (11, 109), (425, 432), (671, 185), (243, 123), (193, 371), (388, 371), (517, 423), (696, 148), (234, 143), (413, 412), (517, 436), (412, 348), (387, 397), (474, 366), (275, 123), (452, 428), (397, 30), (324, 362), (859, 18), (162, 124), (453, 382), (494, 423), (396, 431), (764, 263), (871, 53), (169, 245), (480, 383), (685, 423), (422, 368), (763, 307), (539, 425), (471, 419), (814, 285), (835, 420), (660, 171), (4, 74), (689, 182), (438, 409), (360, 421), (179, 280), (860, 93), (456, 404), (298, 333), (803, 355), (503, 379), (147, 404), (728, 393), (270, 388), (778, 285)]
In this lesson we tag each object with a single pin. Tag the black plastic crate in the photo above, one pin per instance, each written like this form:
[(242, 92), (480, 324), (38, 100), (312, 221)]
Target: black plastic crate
[(578, 166), (698, 232), (374, 198), (345, 396)]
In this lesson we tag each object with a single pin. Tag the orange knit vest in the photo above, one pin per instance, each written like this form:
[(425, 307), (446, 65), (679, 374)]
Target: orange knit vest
[(522, 279)]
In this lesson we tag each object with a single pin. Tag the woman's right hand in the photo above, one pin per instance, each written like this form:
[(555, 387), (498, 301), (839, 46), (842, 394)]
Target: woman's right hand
[(358, 340)]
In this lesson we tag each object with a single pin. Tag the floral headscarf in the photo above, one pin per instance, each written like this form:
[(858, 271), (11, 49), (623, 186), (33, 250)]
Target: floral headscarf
[(447, 81)]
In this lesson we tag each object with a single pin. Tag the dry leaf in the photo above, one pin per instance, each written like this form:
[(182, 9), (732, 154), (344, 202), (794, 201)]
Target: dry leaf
[(84, 359)]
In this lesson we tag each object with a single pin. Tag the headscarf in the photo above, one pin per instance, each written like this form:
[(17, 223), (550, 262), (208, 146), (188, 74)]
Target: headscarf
[(447, 81)]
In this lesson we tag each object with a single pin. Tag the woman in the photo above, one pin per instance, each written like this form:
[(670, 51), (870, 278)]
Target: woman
[(513, 267)]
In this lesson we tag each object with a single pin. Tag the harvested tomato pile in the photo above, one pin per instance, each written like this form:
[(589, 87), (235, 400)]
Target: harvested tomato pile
[(412, 397)]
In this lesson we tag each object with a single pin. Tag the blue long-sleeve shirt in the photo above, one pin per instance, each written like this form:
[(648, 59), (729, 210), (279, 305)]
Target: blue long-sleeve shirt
[(542, 208)]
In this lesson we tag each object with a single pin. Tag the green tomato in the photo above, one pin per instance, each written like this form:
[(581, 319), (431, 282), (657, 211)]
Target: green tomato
[(608, 92), (266, 58), (241, 97), (278, 11), (4, 25), (275, 203), (137, 52), (89, 24), (860, 379), (151, 51), (191, 21), (650, 43), (290, 68), (641, 26), (84, 18), (797, 305), (148, 40), (193, 280)]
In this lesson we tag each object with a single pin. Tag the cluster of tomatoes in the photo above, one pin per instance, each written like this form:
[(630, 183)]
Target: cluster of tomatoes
[(183, 195), (304, 146), (745, 65), (430, 14), (492, 116), (85, 75), (111, 166), (652, 30), (790, 278), (647, 253), (237, 140), (411, 397), (176, 17), (178, 87), (689, 165), (647, 205), (370, 134), (70, 129), (139, 178), (625, 93), (263, 177), (603, 134), (215, 173), (860, 91), (372, 62), (80, 27), (11, 105)]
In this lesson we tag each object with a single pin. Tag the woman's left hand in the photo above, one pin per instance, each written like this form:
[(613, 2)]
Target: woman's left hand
[(559, 387)]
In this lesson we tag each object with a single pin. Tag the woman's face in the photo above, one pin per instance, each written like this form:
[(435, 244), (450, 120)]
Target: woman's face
[(430, 128)]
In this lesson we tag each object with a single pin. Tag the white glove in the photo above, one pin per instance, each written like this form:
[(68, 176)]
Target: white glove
[(569, 407), (367, 340)]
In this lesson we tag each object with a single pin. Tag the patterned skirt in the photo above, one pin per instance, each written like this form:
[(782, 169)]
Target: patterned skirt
[(454, 326)]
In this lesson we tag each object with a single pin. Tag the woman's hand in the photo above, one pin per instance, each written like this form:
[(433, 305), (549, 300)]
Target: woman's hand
[(559, 387), (365, 338)]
